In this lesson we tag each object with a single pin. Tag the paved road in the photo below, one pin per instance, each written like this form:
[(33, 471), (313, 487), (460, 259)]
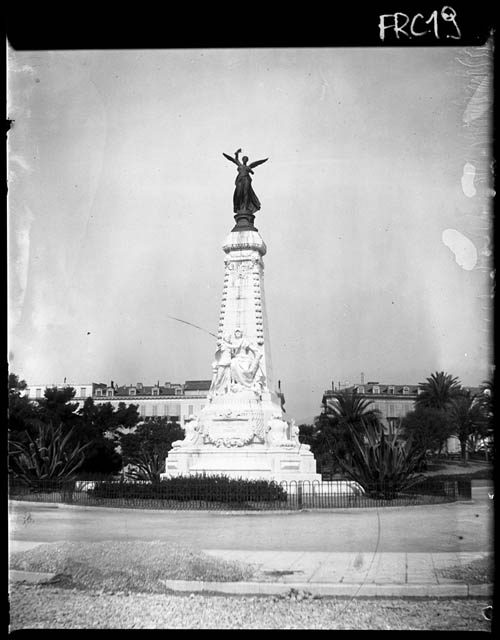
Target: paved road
[(457, 527)]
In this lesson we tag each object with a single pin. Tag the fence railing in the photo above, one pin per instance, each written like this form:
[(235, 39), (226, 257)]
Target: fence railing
[(285, 495)]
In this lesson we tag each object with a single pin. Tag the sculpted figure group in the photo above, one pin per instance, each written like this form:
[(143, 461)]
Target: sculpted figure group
[(236, 366)]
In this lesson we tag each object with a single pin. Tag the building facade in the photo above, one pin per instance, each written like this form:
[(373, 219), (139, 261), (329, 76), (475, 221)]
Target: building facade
[(82, 391), (172, 400), (393, 401)]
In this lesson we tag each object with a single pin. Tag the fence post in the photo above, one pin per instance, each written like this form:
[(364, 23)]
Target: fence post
[(299, 494)]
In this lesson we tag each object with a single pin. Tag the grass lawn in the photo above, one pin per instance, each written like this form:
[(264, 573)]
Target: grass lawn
[(455, 469), (127, 566)]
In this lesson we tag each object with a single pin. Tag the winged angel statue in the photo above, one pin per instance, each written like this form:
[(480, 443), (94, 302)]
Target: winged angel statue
[(244, 199)]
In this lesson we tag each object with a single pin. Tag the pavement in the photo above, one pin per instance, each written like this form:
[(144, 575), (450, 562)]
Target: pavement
[(356, 572), (319, 573)]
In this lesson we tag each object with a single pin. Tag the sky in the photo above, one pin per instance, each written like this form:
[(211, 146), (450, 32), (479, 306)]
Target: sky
[(376, 212)]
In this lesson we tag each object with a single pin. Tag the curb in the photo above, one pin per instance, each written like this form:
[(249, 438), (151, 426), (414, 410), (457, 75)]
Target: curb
[(238, 512), (371, 590), (32, 577)]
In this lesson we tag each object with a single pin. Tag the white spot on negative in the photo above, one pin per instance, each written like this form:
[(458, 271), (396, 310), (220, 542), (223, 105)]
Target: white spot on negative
[(468, 180), (464, 250)]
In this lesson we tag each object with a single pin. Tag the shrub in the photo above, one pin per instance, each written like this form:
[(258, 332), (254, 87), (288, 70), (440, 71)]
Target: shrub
[(382, 464), (48, 460), (202, 487)]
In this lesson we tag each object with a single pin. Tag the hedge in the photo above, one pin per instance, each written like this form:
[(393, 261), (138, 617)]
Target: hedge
[(218, 488)]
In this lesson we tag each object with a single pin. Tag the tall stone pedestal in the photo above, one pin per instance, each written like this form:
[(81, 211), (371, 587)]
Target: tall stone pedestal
[(241, 436), (242, 431)]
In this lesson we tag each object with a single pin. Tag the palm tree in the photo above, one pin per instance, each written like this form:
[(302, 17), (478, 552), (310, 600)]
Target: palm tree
[(468, 419), (344, 414), (487, 403), (438, 391), (349, 408)]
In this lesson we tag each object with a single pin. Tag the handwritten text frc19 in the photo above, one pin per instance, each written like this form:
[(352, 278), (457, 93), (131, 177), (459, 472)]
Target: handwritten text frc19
[(442, 24)]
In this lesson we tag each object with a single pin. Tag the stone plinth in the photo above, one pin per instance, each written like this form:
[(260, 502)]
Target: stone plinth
[(242, 436), (242, 432)]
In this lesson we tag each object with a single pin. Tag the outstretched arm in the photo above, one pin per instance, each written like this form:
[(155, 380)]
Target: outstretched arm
[(257, 162), (235, 160)]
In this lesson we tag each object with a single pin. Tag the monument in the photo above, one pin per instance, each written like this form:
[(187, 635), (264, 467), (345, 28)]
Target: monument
[(242, 431)]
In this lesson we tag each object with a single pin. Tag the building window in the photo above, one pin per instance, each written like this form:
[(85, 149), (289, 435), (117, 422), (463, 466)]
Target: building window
[(155, 391), (360, 390), (406, 391), (390, 390), (98, 392), (178, 391), (376, 390), (132, 392), (38, 393), (154, 410), (109, 392), (142, 410), (83, 392), (190, 409), (174, 410)]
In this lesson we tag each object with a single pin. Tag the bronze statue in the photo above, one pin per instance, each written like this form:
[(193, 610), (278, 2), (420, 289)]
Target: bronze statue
[(244, 199)]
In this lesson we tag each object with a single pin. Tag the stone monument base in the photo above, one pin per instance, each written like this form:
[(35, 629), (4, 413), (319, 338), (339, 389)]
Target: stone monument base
[(242, 435), (251, 462)]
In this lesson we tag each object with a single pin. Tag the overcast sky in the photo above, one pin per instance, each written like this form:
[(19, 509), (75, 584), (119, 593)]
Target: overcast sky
[(375, 212)]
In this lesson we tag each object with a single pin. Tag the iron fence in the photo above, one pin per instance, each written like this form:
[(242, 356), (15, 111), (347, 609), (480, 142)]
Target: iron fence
[(285, 495)]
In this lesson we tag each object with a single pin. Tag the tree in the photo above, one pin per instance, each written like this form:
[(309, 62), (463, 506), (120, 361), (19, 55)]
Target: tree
[(468, 420), (92, 424), (98, 425), (146, 448), (428, 427), (97, 419), (349, 408), (438, 391), (348, 413), (56, 407), (487, 404), (22, 412), (330, 437), (321, 438)]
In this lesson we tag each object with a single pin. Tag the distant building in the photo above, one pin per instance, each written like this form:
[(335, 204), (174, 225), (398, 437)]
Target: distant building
[(173, 400), (393, 401), (82, 391)]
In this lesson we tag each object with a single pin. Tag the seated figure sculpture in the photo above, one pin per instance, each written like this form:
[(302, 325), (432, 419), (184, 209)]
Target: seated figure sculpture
[(236, 366)]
